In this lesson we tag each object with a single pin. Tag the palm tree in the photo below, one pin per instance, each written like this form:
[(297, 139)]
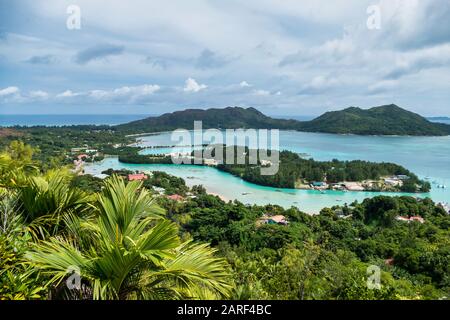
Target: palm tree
[(46, 199), (127, 252), (51, 194)]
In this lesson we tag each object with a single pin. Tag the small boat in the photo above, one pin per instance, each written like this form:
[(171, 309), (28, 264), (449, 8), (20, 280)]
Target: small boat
[(246, 193)]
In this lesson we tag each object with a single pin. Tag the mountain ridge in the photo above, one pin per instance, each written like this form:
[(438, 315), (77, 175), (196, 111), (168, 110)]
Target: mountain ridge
[(381, 120)]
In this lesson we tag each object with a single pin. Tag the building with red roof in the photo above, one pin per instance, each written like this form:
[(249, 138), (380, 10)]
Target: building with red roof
[(417, 218), (137, 177), (410, 219), (175, 197), (82, 156)]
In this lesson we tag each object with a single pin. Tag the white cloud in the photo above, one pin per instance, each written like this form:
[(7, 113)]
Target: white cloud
[(9, 91), (11, 95), (320, 84), (145, 89), (125, 94), (38, 95), (382, 86), (413, 62), (322, 49), (193, 86), (261, 92), (66, 94), (14, 95)]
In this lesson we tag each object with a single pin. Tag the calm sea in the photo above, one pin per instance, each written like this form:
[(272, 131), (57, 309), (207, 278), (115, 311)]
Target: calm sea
[(7, 120)]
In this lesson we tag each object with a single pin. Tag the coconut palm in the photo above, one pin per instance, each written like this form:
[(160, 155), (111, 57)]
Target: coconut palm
[(127, 252)]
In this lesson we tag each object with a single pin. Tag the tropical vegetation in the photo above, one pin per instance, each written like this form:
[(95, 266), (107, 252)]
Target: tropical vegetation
[(64, 236)]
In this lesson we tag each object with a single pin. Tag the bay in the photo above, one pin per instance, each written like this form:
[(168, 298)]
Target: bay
[(429, 157)]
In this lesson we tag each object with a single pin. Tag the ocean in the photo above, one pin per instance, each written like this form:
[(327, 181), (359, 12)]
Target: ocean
[(8, 120)]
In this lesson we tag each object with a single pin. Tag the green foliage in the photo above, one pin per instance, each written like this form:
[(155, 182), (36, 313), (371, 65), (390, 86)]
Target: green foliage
[(50, 196), (16, 165), (17, 281), (51, 145), (127, 244), (130, 253), (383, 120), (87, 183), (324, 256), (172, 185), (294, 169)]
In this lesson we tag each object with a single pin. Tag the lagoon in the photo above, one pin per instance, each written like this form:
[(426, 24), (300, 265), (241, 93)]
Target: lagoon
[(429, 157)]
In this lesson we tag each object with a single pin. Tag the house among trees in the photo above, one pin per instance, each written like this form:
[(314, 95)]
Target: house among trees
[(175, 197), (137, 177), (278, 219), (389, 262), (83, 156), (410, 219)]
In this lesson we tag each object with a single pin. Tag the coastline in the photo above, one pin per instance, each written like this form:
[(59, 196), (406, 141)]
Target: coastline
[(223, 198), (230, 188)]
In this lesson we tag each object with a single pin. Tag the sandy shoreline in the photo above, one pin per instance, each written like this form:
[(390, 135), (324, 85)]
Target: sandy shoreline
[(218, 195)]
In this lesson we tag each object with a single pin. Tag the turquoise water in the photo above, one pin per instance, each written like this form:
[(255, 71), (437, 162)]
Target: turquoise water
[(426, 156), (167, 150)]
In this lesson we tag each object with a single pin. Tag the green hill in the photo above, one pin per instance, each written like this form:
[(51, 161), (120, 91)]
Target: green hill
[(383, 120), (227, 118)]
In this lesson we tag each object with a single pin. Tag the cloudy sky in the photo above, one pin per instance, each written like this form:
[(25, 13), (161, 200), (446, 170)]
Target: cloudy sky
[(288, 57)]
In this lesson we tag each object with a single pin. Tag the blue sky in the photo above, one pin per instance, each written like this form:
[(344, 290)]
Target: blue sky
[(285, 57)]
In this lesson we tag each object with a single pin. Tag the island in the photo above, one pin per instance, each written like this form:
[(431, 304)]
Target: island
[(382, 120)]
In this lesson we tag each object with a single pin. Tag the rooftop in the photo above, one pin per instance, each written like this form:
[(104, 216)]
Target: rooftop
[(137, 177)]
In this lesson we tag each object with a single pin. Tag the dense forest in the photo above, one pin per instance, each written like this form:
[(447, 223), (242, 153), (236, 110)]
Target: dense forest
[(126, 241), (52, 144), (383, 120)]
